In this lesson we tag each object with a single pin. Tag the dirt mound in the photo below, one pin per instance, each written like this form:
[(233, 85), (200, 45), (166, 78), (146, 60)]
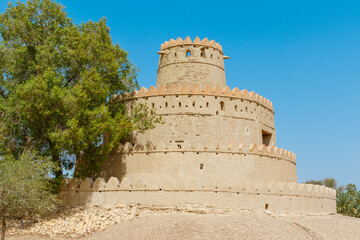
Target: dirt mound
[(239, 225), (234, 226)]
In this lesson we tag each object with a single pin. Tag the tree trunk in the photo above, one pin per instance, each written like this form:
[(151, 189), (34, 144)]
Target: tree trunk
[(59, 172), (77, 163), (3, 223), (55, 156)]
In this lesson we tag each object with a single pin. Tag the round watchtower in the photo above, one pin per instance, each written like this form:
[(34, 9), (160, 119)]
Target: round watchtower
[(190, 62)]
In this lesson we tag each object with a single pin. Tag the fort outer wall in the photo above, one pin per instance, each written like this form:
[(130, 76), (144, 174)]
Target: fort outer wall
[(286, 198), (207, 113), (171, 176)]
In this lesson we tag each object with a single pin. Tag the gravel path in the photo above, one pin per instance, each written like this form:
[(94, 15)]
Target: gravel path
[(248, 226)]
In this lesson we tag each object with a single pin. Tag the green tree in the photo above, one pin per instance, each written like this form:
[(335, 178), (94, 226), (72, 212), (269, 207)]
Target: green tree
[(340, 189), (330, 183), (327, 182), (351, 189), (314, 182), (345, 204), (348, 202), (57, 82), (24, 187), (356, 200)]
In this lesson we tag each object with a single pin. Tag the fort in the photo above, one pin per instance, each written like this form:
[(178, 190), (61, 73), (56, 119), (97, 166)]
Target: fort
[(217, 146)]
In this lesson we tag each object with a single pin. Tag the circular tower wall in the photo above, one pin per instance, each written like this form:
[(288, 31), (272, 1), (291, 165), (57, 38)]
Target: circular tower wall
[(188, 62), (209, 114)]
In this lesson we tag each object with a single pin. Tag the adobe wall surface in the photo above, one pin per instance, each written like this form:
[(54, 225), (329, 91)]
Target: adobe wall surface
[(220, 164), (188, 62), (210, 113), (276, 197)]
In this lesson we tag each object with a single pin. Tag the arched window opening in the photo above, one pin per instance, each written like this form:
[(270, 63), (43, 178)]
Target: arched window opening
[(175, 54), (222, 106), (188, 53)]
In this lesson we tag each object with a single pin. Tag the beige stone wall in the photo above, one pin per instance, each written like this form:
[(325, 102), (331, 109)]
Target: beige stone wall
[(188, 62), (220, 164), (277, 197), (212, 113)]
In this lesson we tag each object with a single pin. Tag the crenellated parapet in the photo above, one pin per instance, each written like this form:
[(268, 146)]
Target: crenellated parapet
[(278, 197), (215, 147), (196, 90), (166, 184), (271, 151), (187, 41)]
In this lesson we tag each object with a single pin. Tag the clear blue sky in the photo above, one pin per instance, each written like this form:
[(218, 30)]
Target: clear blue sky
[(302, 55)]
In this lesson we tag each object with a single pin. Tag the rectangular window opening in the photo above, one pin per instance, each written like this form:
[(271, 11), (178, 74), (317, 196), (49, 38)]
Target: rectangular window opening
[(266, 138)]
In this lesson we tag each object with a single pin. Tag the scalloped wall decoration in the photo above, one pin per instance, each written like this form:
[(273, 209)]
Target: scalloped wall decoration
[(184, 89), (162, 90), (188, 41), (211, 146), (218, 91), (173, 89), (207, 89), (152, 91), (227, 92), (195, 90)]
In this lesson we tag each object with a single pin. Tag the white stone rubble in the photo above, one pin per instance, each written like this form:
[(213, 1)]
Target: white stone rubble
[(76, 222)]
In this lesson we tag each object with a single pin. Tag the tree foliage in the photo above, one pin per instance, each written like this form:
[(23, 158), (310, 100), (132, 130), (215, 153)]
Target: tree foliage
[(327, 182), (351, 189), (348, 202), (24, 187), (330, 183), (315, 182), (57, 82)]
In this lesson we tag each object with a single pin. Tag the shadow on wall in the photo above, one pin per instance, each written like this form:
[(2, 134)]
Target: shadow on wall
[(115, 165)]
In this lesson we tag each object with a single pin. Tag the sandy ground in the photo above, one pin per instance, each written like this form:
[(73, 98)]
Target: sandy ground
[(226, 226)]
